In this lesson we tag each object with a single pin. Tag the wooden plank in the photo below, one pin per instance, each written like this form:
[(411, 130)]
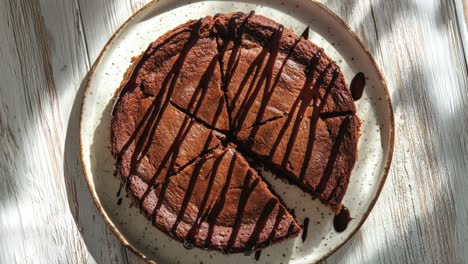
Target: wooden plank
[(35, 223), (44, 60), (100, 20), (421, 214), (99, 243), (461, 10), (137, 4)]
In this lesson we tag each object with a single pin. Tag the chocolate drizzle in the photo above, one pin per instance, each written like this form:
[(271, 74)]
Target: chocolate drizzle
[(305, 229), (317, 109), (333, 156), (263, 81), (174, 152), (120, 190), (260, 224), (193, 232), (291, 227), (279, 218), (234, 35), (341, 220), (258, 253), (268, 91), (188, 195), (265, 76), (152, 117), (131, 82), (357, 86), (303, 101), (305, 33), (247, 189), (218, 206)]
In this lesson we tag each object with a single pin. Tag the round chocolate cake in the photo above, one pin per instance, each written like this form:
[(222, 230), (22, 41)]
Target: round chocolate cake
[(212, 92)]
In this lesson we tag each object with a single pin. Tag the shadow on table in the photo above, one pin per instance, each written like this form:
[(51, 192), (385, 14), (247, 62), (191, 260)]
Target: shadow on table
[(100, 241)]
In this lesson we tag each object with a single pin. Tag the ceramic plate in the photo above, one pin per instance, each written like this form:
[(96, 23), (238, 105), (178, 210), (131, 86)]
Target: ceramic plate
[(327, 31)]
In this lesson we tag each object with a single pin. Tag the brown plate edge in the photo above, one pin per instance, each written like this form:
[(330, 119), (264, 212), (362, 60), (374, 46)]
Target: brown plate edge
[(114, 229)]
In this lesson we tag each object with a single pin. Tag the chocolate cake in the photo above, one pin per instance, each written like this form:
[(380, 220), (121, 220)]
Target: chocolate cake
[(211, 92)]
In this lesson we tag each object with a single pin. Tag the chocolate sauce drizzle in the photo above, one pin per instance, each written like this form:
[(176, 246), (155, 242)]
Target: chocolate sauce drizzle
[(357, 86), (247, 190), (260, 224), (252, 92), (191, 42), (131, 82), (268, 91), (120, 190), (305, 33), (152, 117), (341, 220), (333, 156), (291, 227), (317, 109), (305, 229), (258, 253), (261, 78), (197, 224), (234, 35), (279, 218), (219, 204)]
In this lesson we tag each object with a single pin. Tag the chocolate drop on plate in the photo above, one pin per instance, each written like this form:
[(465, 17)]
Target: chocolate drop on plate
[(357, 86), (305, 229), (188, 245), (120, 189), (341, 220), (257, 254)]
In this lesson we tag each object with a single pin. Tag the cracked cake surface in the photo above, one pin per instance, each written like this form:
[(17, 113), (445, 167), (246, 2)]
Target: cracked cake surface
[(211, 92)]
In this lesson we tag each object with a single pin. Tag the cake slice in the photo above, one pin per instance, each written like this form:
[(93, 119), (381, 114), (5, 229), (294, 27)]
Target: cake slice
[(151, 142), (182, 67), (218, 202), (318, 158)]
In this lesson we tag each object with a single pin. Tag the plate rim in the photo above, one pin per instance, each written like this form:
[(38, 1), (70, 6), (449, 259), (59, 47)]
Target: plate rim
[(91, 74)]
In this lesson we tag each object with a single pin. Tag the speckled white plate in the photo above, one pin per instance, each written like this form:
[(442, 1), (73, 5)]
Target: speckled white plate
[(327, 31)]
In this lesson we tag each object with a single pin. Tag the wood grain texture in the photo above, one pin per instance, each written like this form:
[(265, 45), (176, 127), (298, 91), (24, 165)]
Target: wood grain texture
[(46, 212), (461, 10), (36, 224), (422, 212)]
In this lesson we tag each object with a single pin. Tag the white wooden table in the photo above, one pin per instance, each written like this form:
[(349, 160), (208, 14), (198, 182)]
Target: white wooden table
[(48, 46)]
